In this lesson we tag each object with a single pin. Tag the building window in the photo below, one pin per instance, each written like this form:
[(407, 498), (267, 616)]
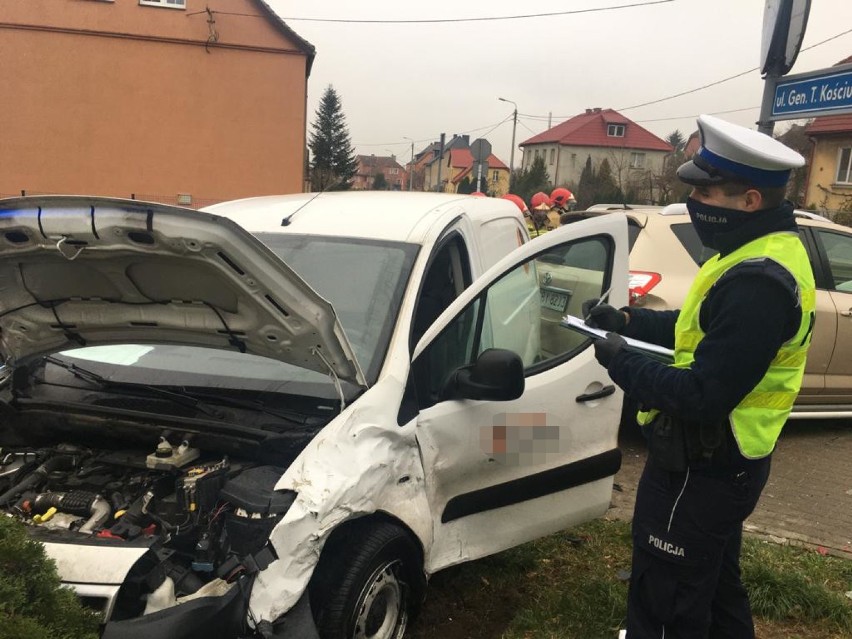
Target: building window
[(171, 4), (637, 160), (393, 171), (615, 130), (536, 154), (552, 155), (844, 166), (495, 177)]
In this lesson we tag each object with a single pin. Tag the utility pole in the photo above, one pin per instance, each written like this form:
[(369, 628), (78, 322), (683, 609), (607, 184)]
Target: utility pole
[(512, 151), (410, 166), (440, 161)]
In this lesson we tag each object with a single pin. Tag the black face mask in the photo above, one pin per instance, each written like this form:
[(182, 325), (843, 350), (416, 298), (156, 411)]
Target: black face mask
[(710, 220)]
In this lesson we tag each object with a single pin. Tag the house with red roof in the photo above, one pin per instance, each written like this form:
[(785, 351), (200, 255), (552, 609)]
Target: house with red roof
[(370, 166), (829, 185), (493, 180), (417, 168), (634, 154), (453, 170)]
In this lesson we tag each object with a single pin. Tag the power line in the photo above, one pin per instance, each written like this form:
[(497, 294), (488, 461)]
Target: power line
[(677, 95), (530, 116), (491, 127), (480, 19), (684, 117), (527, 128)]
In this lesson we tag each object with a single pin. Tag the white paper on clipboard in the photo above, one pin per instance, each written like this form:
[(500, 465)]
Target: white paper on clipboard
[(652, 350)]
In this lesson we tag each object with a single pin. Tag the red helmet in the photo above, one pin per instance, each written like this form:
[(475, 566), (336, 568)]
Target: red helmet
[(518, 200), (540, 201), (561, 195)]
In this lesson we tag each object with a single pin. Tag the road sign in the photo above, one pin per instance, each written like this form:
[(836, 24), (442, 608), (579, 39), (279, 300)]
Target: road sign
[(823, 92), (480, 149), (784, 23), (479, 171)]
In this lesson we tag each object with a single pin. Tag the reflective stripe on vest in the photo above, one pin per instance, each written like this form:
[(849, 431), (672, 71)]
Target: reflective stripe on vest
[(758, 419)]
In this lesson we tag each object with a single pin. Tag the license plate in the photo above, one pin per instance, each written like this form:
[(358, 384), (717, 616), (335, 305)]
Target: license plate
[(554, 300)]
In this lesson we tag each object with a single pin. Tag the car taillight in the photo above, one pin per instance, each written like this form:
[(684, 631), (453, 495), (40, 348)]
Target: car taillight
[(640, 283)]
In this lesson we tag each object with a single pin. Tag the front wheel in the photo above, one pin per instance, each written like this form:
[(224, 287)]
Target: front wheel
[(368, 583)]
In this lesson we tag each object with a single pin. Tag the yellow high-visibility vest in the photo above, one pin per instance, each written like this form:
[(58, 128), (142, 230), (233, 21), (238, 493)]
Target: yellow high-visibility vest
[(758, 419)]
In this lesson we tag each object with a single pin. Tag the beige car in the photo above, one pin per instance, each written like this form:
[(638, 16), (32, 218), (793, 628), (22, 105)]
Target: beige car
[(665, 254)]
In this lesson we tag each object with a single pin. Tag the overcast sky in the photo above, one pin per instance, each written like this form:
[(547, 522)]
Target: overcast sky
[(418, 80)]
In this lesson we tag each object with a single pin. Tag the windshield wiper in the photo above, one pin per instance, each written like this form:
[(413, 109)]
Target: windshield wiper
[(251, 404), (106, 384)]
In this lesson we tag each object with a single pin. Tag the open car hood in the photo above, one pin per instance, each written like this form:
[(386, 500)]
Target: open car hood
[(81, 271)]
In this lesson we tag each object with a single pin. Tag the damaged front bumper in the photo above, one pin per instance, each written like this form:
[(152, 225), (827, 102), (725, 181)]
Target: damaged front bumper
[(202, 618), (214, 618)]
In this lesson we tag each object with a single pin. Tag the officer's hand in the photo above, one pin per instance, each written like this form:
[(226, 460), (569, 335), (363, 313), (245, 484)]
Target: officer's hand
[(603, 316), (607, 349)]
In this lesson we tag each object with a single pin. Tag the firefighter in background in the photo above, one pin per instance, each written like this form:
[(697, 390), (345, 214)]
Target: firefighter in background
[(564, 204), (543, 218)]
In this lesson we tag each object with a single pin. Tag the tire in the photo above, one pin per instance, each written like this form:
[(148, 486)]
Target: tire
[(368, 583)]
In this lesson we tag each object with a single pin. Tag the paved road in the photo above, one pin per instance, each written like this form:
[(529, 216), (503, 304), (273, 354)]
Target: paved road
[(808, 499)]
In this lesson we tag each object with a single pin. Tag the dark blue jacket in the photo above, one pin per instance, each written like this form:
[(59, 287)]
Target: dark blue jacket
[(747, 315)]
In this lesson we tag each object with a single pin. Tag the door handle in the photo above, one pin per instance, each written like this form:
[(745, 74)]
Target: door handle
[(846, 313), (606, 391)]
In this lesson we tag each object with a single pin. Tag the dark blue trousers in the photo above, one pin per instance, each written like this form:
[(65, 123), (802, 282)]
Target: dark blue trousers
[(687, 532)]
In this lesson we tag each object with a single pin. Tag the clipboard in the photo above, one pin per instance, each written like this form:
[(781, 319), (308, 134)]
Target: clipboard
[(660, 353)]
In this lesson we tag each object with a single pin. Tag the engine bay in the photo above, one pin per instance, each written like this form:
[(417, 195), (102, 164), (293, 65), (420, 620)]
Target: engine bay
[(203, 517)]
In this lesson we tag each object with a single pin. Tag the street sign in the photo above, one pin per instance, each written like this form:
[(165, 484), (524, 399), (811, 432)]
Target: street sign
[(823, 92), (784, 23), (480, 149)]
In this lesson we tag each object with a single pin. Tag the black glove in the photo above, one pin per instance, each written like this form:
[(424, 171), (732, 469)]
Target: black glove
[(603, 316), (607, 349)]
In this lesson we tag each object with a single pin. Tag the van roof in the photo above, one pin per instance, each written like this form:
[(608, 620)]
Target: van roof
[(396, 216)]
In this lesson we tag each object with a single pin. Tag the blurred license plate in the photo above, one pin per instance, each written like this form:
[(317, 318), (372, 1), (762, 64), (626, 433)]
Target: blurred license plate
[(554, 300)]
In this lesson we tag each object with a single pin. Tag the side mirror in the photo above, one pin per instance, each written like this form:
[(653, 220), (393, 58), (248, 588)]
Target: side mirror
[(497, 374)]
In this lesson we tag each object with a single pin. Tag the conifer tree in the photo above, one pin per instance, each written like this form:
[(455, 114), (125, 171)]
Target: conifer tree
[(333, 163), (533, 180), (587, 188), (607, 189)]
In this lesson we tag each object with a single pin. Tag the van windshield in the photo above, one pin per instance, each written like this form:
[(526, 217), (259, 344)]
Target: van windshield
[(363, 279)]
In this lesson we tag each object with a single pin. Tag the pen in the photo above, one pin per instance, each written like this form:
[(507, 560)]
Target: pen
[(598, 303)]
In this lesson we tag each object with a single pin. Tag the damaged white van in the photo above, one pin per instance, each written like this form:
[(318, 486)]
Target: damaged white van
[(277, 417)]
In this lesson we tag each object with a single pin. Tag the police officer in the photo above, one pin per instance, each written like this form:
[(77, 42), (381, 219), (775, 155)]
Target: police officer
[(712, 418)]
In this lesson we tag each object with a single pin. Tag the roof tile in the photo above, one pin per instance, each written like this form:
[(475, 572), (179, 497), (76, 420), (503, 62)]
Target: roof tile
[(590, 129), (830, 124)]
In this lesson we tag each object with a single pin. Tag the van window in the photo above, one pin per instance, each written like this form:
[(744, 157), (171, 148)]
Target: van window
[(447, 275), (499, 237), (521, 312)]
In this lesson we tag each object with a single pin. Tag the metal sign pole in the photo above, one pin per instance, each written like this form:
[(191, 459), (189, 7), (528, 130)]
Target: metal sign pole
[(765, 123)]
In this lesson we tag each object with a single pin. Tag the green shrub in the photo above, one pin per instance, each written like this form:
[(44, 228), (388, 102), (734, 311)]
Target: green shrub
[(33, 605), (843, 217)]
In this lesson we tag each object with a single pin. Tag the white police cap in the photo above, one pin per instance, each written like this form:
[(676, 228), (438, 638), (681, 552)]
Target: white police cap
[(732, 153)]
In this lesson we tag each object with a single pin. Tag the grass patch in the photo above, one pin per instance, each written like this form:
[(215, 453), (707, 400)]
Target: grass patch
[(791, 584), (572, 585)]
